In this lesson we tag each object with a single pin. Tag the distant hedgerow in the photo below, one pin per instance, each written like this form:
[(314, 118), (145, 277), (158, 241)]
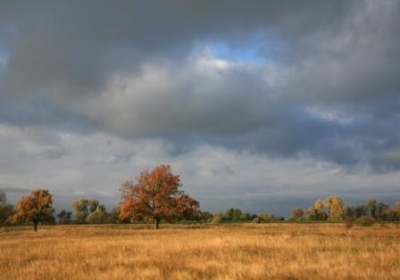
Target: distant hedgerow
[(365, 221)]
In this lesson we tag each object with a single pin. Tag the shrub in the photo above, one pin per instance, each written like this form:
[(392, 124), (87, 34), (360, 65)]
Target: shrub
[(348, 224), (365, 221), (217, 219)]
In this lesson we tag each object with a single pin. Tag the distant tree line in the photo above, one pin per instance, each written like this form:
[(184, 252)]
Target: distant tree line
[(334, 209), (235, 215), (156, 197)]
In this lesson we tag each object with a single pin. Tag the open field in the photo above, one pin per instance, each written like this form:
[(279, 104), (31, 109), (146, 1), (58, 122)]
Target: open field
[(237, 251)]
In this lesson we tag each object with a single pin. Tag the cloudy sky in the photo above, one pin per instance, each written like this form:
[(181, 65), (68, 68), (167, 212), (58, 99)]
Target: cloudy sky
[(259, 105)]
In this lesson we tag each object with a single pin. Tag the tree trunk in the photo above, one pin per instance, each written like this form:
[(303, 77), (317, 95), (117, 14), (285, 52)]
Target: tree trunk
[(35, 223), (157, 223)]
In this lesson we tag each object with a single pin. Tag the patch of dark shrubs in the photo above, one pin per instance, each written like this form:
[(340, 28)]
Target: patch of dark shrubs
[(364, 221)]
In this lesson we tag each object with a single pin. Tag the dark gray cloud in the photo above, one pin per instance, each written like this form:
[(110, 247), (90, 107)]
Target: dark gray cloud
[(78, 44), (303, 79)]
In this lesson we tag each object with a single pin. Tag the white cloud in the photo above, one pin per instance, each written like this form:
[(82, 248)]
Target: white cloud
[(330, 114), (216, 176)]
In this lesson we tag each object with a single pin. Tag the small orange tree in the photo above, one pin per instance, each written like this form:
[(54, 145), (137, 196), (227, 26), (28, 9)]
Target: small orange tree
[(156, 196), (35, 208)]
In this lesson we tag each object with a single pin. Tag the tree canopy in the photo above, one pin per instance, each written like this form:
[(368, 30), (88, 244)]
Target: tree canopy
[(35, 208), (89, 211), (156, 196)]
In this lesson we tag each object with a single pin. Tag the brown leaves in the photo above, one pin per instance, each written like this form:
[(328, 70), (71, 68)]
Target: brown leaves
[(156, 195), (34, 208)]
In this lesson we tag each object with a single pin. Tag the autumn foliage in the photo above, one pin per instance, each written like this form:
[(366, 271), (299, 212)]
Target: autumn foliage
[(156, 196), (35, 208)]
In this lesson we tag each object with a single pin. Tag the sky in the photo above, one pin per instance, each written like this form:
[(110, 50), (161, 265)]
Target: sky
[(258, 105)]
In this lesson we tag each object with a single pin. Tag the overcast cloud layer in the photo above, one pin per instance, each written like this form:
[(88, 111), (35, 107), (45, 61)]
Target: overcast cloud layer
[(260, 105)]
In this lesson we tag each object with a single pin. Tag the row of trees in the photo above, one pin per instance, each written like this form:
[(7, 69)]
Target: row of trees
[(334, 209), (35, 208), (156, 196), (237, 215), (87, 211)]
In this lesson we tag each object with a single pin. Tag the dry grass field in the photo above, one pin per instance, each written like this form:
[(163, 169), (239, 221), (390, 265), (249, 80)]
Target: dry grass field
[(248, 251)]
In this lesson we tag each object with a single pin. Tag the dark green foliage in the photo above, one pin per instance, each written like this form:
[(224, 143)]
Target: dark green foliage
[(360, 210), (372, 206), (5, 209), (89, 211), (5, 212), (64, 217), (313, 214), (206, 217), (112, 217), (3, 198), (233, 214)]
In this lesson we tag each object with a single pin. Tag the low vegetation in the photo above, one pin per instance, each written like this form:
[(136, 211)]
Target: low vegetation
[(229, 251)]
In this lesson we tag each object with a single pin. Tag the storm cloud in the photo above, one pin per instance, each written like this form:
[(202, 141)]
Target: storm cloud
[(313, 83)]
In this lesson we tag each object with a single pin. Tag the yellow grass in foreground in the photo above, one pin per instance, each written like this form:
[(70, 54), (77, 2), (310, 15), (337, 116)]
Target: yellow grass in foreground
[(250, 251)]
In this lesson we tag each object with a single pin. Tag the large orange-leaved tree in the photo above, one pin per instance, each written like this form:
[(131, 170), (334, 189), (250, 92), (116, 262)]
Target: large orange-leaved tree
[(156, 196), (35, 208)]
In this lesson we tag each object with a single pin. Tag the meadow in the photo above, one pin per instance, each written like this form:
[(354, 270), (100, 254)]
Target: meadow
[(234, 251)]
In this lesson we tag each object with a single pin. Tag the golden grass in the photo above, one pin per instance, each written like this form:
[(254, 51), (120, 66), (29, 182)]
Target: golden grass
[(248, 251)]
